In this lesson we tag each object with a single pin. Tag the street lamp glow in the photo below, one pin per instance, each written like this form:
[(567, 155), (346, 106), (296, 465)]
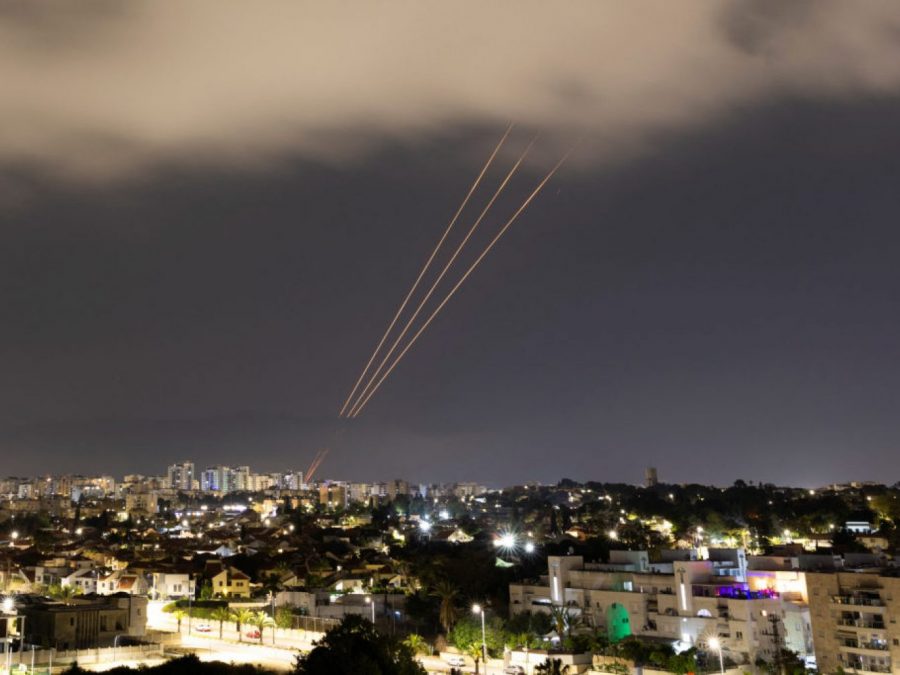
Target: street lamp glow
[(425, 526), (716, 645), (478, 609), (7, 605), (529, 547), (444, 514), (612, 534), (506, 540)]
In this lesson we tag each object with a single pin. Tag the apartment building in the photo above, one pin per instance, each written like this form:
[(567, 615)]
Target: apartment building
[(854, 619), (686, 600), (181, 476)]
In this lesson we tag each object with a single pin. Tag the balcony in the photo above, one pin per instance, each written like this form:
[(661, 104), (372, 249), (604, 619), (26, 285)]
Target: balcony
[(861, 623), (858, 668), (858, 600), (864, 648), (861, 664)]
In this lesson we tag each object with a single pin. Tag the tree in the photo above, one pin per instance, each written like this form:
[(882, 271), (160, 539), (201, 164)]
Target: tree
[(552, 667), (418, 644), (466, 636), (179, 615), (448, 595), (262, 620), (206, 590), (355, 647), (221, 614), (59, 592), (474, 649), (564, 620), (284, 617), (241, 617)]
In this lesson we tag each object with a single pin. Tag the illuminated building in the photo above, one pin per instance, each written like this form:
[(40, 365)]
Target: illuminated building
[(684, 600), (854, 618)]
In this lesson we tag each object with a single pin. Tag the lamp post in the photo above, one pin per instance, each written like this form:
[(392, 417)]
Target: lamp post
[(716, 645), (478, 609), (190, 603)]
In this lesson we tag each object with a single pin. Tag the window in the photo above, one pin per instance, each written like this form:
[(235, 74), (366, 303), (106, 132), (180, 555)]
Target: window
[(739, 635)]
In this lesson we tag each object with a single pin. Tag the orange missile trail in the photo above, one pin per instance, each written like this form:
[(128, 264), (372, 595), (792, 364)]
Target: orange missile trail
[(310, 472), (437, 281), (428, 262), (459, 283)]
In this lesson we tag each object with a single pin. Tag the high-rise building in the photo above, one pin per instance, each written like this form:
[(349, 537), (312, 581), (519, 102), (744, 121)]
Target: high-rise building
[(397, 487), (854, 621), (220, 479), (292, 480), (180, 476), (650, 477)]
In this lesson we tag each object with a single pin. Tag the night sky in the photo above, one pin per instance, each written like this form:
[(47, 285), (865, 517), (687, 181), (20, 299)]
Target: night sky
[(710, 286)]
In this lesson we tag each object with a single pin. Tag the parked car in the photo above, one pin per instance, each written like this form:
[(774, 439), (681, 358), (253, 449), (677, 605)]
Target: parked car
[(203, 628), (455, 660), (513, 670), (252, 634)]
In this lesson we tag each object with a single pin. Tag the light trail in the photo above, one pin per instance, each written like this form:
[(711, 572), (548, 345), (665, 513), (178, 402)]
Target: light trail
[(440, 277), (428, 262), (459, 283)]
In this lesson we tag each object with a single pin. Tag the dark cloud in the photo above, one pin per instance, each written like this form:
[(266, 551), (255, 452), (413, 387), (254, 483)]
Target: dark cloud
[(103, 90)]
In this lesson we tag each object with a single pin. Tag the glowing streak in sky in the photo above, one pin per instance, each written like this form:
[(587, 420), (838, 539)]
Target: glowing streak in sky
[(440, 277), (459, 283), (425, 268)]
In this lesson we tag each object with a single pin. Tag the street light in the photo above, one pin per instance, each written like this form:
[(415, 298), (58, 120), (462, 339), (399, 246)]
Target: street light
[(371, 602), (716, 645), (478, 609)]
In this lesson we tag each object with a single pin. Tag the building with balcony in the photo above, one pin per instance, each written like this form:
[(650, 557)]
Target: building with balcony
[(854, 618), (751, 612)]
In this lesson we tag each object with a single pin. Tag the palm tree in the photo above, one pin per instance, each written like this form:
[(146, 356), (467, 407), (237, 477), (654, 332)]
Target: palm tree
[(221, 614), (447, 593), (179, 615), (261, 620), (418, 644), (59, 592), (474, 650), (552, 667), (241, 617), (564, 620)]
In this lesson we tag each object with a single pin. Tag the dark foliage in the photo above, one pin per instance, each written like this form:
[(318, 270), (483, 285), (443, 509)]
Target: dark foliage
[(355, 647)]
